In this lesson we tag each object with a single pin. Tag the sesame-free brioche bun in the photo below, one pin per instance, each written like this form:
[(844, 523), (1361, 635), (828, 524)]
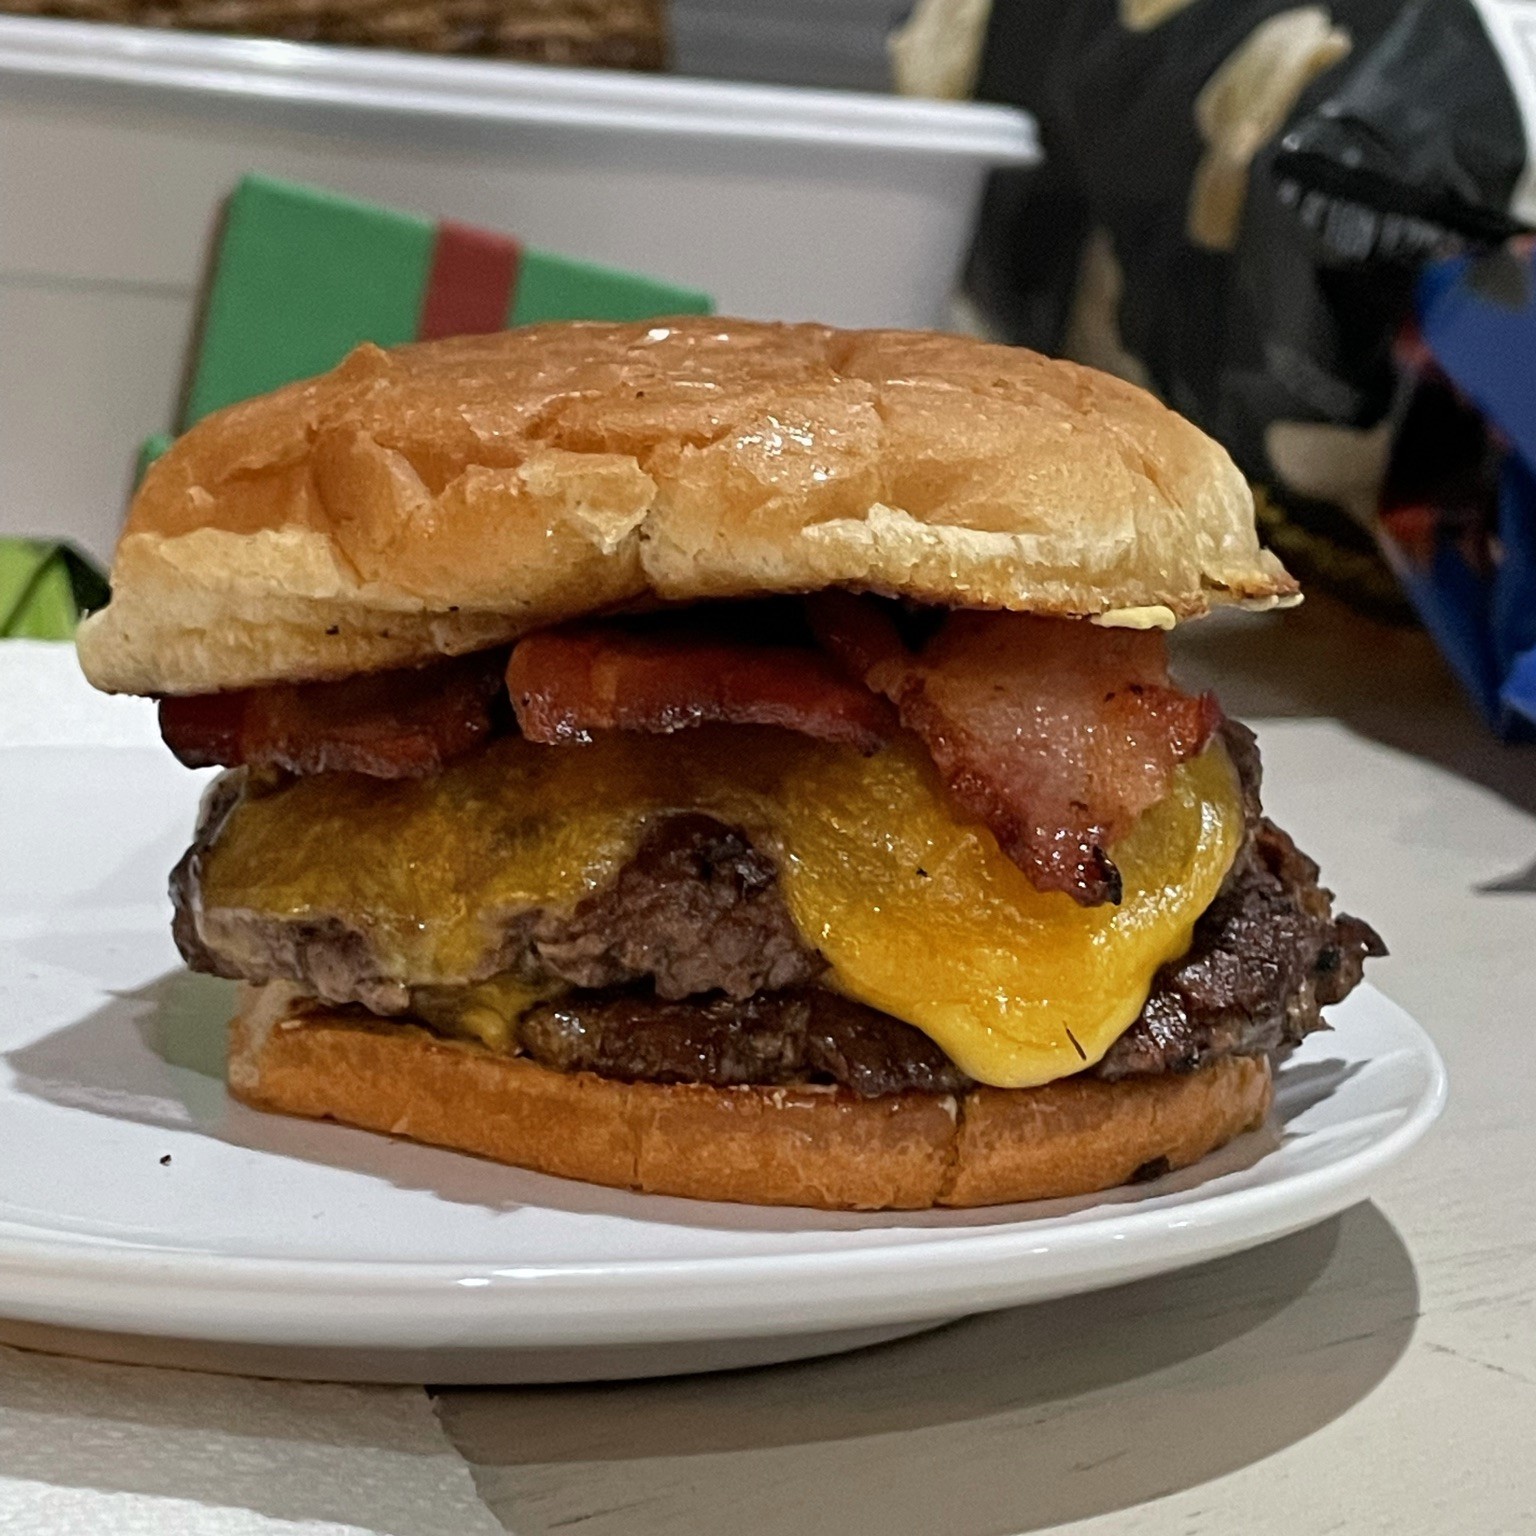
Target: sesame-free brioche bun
[(447, 496), (804, 1146)]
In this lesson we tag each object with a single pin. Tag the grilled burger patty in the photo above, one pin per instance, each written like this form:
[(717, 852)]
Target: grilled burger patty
[(687, 967)]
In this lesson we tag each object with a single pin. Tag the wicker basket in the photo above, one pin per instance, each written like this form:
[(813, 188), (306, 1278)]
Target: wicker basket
[(618, 34)]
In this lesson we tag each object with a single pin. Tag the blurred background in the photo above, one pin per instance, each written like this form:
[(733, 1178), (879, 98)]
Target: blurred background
[(1304, 226)]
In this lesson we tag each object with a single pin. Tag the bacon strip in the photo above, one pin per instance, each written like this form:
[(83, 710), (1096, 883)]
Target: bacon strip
[(1055, 733), (566, 684), (390, 725)]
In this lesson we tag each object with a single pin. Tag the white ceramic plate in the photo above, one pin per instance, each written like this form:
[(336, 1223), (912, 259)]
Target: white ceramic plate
[(145, 1216)]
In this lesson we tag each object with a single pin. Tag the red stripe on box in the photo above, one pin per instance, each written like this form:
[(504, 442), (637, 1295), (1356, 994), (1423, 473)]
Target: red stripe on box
[(470, 284)]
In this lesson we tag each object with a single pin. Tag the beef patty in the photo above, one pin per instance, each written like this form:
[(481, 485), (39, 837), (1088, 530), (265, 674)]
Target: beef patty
[(687, 967), (799, 1035), (697, 910)]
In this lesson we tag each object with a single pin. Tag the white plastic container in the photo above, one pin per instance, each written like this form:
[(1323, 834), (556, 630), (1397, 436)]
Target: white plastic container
[(118, 144)]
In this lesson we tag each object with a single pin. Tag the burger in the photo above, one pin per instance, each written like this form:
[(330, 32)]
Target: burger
[(726, 760)]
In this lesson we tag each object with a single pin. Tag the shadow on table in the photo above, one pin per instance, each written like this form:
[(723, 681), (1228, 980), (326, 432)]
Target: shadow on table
[(1014, 1422)]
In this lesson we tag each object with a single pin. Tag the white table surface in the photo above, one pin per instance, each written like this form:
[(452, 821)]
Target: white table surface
[(1377, 1373)]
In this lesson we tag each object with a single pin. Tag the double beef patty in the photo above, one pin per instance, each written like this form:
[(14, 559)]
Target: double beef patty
[(687, 968)]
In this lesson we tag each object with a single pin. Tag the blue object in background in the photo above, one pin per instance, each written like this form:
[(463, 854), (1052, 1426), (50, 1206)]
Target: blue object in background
[(1455, 603), (1513, 611), (1478, 318), (1519, 692)]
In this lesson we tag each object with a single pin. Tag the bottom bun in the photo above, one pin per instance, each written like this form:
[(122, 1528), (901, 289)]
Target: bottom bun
[(808, 1145)]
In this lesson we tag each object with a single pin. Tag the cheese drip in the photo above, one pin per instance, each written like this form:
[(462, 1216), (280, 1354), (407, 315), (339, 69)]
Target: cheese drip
[(915, 907)]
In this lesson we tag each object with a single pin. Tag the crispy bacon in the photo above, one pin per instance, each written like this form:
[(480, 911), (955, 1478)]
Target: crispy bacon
[(566, 684), (1057, 734), (390, 725)]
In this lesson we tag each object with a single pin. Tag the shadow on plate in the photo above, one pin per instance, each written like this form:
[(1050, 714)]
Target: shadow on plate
[(156, 1056), (1017, 1421), (1301, 1086)]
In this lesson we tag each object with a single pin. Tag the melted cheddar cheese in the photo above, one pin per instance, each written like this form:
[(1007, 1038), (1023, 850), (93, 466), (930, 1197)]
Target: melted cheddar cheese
[(915, 907)]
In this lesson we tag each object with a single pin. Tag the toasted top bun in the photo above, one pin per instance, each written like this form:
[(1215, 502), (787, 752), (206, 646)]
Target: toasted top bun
[(447, 496)]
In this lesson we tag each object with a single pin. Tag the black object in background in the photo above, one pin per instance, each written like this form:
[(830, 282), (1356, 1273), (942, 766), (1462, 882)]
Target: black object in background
[(1237, 198), (1426, 125)]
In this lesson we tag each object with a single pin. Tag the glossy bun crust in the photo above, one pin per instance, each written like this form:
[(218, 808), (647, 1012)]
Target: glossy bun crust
[(451, 495), (763, 1146)]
